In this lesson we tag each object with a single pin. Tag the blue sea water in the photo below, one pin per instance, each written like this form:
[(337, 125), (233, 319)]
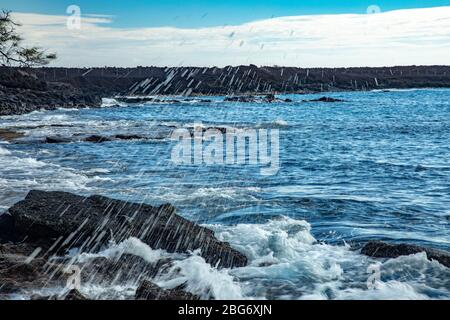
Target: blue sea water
[(375, 166)]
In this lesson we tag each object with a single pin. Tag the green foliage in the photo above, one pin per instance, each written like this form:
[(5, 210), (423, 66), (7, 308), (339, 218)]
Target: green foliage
[(12, 52)]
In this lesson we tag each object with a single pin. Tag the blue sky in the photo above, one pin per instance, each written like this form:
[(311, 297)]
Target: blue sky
[(236, 32), (205, 13)]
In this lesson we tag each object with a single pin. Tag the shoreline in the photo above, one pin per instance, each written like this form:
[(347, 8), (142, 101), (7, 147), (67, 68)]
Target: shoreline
[(25, 90), (137, 239)]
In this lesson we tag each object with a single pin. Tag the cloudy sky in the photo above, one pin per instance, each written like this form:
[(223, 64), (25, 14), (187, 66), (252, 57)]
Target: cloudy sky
[(205, 33)]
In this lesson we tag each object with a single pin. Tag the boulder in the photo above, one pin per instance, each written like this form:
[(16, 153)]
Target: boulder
[(61, 220), (150, 291), (379, 249)]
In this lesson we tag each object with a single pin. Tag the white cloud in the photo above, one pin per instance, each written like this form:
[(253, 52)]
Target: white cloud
[(402, 37)]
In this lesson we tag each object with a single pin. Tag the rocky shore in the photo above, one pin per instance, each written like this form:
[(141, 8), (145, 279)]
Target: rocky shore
[(26, 90), (39, 235)]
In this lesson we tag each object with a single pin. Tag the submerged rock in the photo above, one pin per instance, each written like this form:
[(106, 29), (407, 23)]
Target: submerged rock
[(150, 291), (60, 220), (379, 249)]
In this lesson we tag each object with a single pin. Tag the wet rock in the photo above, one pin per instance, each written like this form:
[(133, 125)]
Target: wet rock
[(105, 271), (128, 137), (96, 139), (74, 295), (379, 249), (10, 135), (270, 98), (57, 139), (19, 273), (6, 228), (132, 100), (419, 168), (324, 99), (240, 99), (150, 291), (63, 220)]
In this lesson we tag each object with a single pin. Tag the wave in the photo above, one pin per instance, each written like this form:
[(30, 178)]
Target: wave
[(275, 124), (289, 263), (20, 173), (110, 102), (285, 262), (191, 271)]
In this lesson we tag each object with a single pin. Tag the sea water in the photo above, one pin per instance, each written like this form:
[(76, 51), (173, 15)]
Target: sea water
[(374, 167)]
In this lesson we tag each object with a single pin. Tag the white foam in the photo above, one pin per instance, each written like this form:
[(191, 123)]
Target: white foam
[(199, 277), (132, 246), (4, 152), (110, 102), (202, 279), (290, 264)]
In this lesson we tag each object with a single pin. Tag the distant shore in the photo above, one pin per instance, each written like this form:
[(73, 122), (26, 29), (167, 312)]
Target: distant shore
[(26, 90)]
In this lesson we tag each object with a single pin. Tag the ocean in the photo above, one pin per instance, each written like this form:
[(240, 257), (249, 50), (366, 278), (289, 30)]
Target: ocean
[(372, 167)]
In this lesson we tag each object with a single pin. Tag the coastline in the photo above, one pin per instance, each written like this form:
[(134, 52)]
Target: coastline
[(26, 90)]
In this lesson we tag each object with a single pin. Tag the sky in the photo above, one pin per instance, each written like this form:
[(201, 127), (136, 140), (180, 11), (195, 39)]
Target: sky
[(314, 33)]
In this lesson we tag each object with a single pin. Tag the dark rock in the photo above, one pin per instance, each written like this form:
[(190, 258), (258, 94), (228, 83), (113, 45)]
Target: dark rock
[(324, 99), (57, 139), (90, 222), (419, 168), (74, 295), (150, 291), (128, 137), (96, 139), (378, 249), (18, 272), (10, 135), (6, 228), (104, 271), (241, 99), (132, 100)]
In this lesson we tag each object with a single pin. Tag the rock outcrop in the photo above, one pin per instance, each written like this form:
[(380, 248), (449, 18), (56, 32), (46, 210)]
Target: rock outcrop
[(378, 249), (60, 220)]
